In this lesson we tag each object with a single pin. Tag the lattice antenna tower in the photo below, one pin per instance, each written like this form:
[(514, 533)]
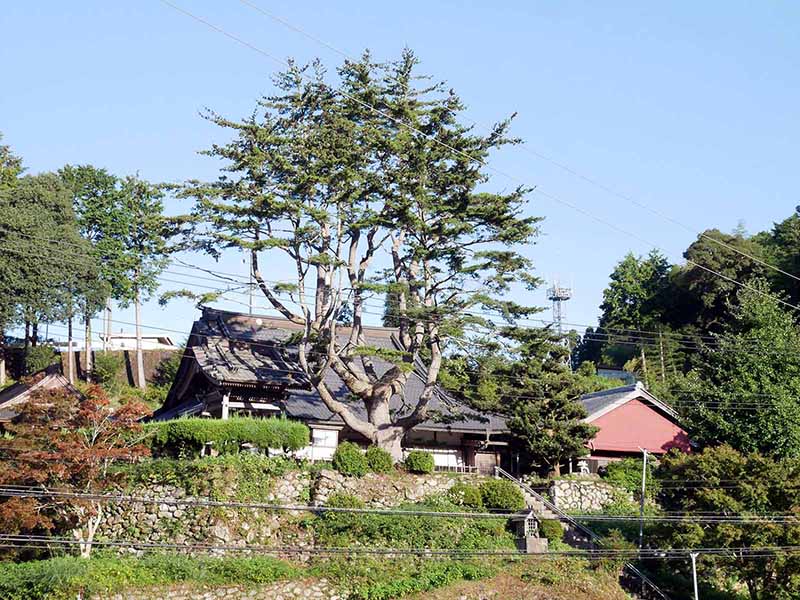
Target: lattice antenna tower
[(558, 294)]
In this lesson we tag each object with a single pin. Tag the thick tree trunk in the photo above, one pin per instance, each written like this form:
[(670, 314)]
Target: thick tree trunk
[(70, 353), (27, 334), (140, 382), (35, 333), (391, 439), (87, 348)]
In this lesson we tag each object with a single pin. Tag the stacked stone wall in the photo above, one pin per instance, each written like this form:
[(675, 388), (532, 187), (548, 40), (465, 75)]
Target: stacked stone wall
[(310, 589), (383, 490), (172, 518), (587, 494)]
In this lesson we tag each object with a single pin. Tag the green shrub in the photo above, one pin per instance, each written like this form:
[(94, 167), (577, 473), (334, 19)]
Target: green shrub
[(419, 461), (187, 437), (552, 530), (343, 500), (627, 474), (38, 358), (501, 494), (63, 578), (379, 460), (107, 366), (615, 540), (410, 530), (167, 369), (349, 460), (464, 494), (242, 477)]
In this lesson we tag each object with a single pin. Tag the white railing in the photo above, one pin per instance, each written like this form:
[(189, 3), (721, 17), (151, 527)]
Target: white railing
[(455, 469)]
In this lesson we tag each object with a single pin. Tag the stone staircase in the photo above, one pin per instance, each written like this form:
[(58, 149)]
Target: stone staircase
[(579, 536), (538, 507)]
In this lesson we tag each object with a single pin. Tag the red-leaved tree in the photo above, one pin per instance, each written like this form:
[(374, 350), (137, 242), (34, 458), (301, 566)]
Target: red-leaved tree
[(59, 443)]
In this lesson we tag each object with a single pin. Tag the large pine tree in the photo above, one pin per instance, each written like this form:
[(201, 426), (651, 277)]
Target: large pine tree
[(368, 188)]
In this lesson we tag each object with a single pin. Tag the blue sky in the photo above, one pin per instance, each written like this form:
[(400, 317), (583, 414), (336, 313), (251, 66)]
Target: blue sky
[(688, 107)]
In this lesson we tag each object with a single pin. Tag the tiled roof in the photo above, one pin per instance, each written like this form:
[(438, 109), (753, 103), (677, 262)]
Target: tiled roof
[(237, 349), (598, 402), (16, 394)]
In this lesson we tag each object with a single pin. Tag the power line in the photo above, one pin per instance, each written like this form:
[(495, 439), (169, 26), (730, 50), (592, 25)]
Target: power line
[(21, 491), (690, 339), (689, 342), (468, 156), (526, 148), (675, 403), (631, 340), (38, 492), (599, 553)]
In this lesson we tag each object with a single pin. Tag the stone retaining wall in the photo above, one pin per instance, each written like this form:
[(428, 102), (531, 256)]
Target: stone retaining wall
[(186, 524), (582, 494), (311, 589), (168, 522), (383, 490)]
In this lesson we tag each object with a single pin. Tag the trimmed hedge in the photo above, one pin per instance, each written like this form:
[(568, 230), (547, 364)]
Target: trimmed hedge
[(64, 577), (349, 460), (379, 460), (501, 494), (187, 437), (419, 461), (464, 494)]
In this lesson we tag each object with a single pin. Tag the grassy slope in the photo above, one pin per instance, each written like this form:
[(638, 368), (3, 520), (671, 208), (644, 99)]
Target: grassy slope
[(551, 580)]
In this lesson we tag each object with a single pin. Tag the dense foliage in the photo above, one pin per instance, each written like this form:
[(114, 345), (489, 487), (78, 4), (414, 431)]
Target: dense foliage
[(501, 494), (465, 494), (317, 178), (410, 531), (72, 241), (240, 477), (626, 474), (188, 437), (524, 375), (379, 460), (349, 459), (656, 315), (419, 461), (745, 391), (552, 530), (67, 577), (58, 442), (728, 482)]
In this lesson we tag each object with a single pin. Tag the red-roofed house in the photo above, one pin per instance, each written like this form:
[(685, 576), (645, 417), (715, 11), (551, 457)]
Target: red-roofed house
[(631, 419)]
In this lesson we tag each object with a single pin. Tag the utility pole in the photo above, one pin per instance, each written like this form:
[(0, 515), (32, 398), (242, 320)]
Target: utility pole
[(250, 287), (693, 556), (641, 500)]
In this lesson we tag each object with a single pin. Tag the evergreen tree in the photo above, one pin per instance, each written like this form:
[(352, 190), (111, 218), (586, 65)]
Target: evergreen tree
[(746, 389), (522, 374), (50, 270)]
